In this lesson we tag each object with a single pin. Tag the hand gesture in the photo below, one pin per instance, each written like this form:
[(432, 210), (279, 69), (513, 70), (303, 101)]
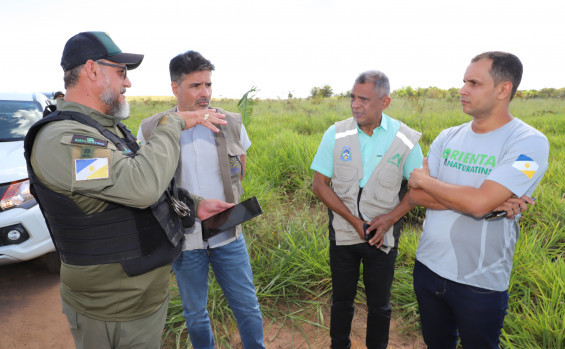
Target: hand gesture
[(206, 118), (418, 175)]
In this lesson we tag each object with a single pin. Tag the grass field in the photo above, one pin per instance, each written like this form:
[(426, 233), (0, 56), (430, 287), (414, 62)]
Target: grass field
[(288, 243)]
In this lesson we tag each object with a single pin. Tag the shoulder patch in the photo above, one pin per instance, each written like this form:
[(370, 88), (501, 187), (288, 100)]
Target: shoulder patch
[(526, 165), (87, 169), (86, 140), (86, 152)]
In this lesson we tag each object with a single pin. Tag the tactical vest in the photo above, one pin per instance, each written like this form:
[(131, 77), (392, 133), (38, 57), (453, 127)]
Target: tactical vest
[(381, 193), (139, 239)]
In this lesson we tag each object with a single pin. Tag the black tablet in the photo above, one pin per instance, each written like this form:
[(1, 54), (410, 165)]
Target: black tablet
[(231, 217)]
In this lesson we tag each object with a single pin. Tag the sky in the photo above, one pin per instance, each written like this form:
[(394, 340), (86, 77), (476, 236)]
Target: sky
[(287, 47)]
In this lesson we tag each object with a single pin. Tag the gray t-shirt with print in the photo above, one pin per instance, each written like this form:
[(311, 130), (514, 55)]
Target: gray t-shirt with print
[(460, 247)]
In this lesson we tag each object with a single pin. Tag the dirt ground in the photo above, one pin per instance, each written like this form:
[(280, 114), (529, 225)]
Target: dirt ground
[(30, 317), (304, 335), (30, 308)]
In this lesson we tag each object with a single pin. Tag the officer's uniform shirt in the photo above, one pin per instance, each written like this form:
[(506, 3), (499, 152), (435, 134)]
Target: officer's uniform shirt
[(102, 291)]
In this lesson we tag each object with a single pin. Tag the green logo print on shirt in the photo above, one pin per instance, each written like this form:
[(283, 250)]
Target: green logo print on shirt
[(469, 162)]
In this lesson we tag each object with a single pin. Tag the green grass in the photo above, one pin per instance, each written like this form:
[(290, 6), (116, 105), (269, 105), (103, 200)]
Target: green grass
[(288, 244)]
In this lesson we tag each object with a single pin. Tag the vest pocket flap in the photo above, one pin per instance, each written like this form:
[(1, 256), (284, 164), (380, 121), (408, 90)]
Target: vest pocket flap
[(344, 173), (234, 148), (387, 186), (389, 179), (343, 180)]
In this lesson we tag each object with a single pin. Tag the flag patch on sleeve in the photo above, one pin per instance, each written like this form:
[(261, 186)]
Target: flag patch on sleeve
[(526, 165), (87, 169)]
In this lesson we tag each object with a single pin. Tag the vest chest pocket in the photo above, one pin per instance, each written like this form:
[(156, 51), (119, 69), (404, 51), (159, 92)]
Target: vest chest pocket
[(344, 180), (388, 184)]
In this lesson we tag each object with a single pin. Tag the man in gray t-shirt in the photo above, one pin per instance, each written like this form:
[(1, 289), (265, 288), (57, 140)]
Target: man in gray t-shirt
[(467, 249), (493, 163)]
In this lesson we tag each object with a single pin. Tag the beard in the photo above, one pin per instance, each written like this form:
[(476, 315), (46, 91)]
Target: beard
[(113, 105), (112, 101)]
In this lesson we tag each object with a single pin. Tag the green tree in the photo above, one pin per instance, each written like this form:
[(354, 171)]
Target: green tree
[(321, 92), (453, 92), (345, 94), (547, 93)]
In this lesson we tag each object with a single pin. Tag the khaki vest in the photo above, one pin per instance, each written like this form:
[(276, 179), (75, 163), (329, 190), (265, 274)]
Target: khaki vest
[(228, 145), (380, 194)]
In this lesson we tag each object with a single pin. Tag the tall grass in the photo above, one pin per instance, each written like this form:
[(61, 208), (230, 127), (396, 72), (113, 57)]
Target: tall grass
[(288, 244)]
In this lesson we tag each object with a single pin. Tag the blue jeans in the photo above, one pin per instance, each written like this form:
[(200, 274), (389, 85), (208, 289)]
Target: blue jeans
[(378, 273), (449, 309), (232, 269)]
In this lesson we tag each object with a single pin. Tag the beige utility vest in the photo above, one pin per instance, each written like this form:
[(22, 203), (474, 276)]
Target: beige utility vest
[(228, 146), (380, 194)]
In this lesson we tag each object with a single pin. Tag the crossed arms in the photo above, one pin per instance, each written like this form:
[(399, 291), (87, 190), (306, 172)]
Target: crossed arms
[(434, 194)]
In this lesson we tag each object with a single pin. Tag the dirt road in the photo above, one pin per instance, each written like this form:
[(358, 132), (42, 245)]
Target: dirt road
[(30, 308), (31, 318)]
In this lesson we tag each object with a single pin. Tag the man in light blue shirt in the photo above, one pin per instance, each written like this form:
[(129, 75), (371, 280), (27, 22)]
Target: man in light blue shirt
[(372, 150), (361, 169)]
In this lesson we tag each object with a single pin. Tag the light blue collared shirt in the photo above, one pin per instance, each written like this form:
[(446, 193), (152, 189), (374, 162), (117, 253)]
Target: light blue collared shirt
[(373, 148)]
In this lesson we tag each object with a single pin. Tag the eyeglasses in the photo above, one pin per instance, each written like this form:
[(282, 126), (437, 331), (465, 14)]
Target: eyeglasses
[(125, 68)]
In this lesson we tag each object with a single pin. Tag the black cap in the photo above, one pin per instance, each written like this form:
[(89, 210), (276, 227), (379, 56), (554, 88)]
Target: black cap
[(95, 45)]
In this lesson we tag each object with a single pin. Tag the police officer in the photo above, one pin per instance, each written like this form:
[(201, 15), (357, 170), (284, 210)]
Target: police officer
[(113, 210)]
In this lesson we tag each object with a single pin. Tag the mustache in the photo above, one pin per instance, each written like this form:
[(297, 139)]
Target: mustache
[(203, 99)]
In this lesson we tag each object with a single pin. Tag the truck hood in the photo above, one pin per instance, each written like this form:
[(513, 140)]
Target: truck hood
[(12, 161)]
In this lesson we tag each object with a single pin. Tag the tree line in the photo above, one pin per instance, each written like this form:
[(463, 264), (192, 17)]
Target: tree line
[(435, 92)]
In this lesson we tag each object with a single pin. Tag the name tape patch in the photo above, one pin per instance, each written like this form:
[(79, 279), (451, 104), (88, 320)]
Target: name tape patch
[(85, 140)]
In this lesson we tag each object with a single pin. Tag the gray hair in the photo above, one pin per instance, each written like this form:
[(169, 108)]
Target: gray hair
[(71, 76), (381, 85)]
